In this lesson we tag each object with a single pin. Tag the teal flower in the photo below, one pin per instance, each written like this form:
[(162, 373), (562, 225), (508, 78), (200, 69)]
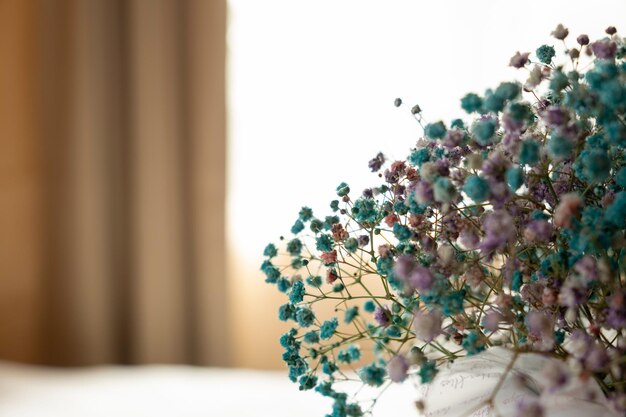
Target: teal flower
[(297, 227), (472, 343), (616, 212), (476, 188), (435, 130), (457, 123), (443, 190), (286, 312), (484, 130), (519, 112), (311, 337), (452, 302), (493, 102), (305, 214), (307, 382), (401, 232), (305, 317), (351, 244), (369, 306), (297, 292), (596, 165), (271, 272), (529, 152), (373, 375), (419, 156), (324, 243), (351, 313), (620, 177), (314, 281), (545, 54), (343, 189), (365, 210), (471, 103), (270, 251), (515, 177), (283, 284), (349, 355), (329, 367), (294, 247), (560, 146), (427, 371), (558, 82), (288, 340), (327, 329), (508, 91)]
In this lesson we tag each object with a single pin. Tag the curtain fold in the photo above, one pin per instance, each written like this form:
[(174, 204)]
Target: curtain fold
[(131, 131)]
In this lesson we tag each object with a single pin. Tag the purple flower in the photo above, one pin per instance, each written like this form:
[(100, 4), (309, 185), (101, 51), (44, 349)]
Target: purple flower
[(556, 374), (583, 40), (499, 230), (604, 49), (532, 293), (538, 231), (560, 32), (382, 315), (597, 359), (453, 138), (468, 238), (555, 116), (413, 274), (617, 310), (424, 193), (519, 60), (492, 320), (572, 294), (427, 325), (587, 268), (529, 408), (393, 174), (398, 368), (495, 166), (377, 162), (579, 343), (540, 329)]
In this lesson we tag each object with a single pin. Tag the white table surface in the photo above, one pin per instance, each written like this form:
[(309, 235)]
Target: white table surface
[(167, 391)]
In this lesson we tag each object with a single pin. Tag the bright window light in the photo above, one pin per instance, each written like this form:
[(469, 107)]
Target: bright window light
[(312, 85)]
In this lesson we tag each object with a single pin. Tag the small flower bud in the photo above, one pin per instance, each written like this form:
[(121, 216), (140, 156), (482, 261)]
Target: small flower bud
[(560, 32), (416, 356), (583, 40), (416, 109), (574, 54), (397, 102), (611, 30)]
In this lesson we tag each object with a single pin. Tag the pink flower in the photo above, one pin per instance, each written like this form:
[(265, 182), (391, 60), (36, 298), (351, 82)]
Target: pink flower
[(427, 325), (569, 207), (492, 320), (398, 368), (329, 258)]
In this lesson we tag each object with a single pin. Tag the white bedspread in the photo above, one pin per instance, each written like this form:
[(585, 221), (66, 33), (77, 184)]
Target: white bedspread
[(167, 391)]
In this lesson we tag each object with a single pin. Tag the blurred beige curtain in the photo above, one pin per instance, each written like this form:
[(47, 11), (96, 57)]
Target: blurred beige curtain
[(124, 150)]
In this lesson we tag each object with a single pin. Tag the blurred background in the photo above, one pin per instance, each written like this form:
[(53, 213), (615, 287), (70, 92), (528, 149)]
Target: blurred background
[(152, 148)]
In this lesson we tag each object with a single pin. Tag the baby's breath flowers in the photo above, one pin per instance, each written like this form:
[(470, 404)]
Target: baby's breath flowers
[(506, 229)]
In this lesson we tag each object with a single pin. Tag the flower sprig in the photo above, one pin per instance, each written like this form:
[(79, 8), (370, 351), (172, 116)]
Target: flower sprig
[(503, 230)]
